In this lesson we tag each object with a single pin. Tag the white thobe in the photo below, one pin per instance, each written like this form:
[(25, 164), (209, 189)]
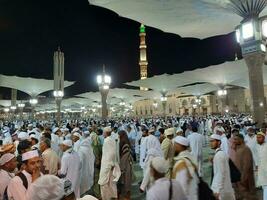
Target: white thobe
[(16, 189), (224, 144), (108, 162), (196, 142), (161, 190), (138, 142), (87, 158), (251, 142), (221, 182), (76, 145), (5, 178), (153, 149), (55, 143), (262, 163), (51, 161), (184, 172), (142, 152), (71, 168)]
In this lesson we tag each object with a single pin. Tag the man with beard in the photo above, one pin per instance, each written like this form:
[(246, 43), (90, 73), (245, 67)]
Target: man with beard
[(244, 162), (18, 185)]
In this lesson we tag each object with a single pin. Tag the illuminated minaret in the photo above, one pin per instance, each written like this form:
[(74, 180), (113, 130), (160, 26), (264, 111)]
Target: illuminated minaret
[(143, 58)]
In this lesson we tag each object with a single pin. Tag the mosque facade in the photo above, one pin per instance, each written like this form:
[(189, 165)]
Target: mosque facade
[(237, 100)]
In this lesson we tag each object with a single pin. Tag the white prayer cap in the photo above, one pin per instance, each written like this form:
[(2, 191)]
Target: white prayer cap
[(66, 130), (178, 130), (30, 125), (107, 129), (55, 130), (6, 158), (46, 187), (250, 127), (219, 122), (86, 133), (77, 134), (75, 130), (160, 165), (151, 130), (169, 131), (23, 136), (181, 140), (215, 137), (221, 129), (30, 154), (34, 137), (67, 143), (88, 197)]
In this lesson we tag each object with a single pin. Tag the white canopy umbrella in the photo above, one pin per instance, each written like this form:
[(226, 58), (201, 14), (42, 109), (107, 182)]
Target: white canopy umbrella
[(199, 89), (188, 18), (31, 86)]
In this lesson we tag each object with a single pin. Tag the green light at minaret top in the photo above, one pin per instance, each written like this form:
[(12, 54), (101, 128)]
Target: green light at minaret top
[(142, 28)]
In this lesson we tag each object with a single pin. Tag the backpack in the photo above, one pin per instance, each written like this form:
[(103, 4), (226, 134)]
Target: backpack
[(24, 181), (204, 191)]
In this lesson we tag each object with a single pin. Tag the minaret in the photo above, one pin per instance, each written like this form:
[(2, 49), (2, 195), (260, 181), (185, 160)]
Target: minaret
[(143, 58)]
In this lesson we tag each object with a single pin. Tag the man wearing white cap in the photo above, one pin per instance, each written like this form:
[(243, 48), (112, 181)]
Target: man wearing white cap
[(55, 140), (8, 164), (224, 141), (196, 142), (251, 142), (262, 163), (168, 148), (221, 183), (163, 188), (153, 149), (87, 159), (109, 164), (70, 166), (18, 185), (184, 169), (76, 138)]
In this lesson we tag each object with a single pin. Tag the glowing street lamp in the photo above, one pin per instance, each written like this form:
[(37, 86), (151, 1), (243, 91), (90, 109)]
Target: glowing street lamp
[(33, 101), (222, 92), (13, 108), (251, 34), (104, 82)]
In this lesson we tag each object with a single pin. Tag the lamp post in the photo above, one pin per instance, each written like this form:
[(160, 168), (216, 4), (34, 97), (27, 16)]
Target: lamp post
[(163, 100), (222, 95), (21, 106), (103, 82), (33, 103), (58, 81), (251, 34), (58, 97)]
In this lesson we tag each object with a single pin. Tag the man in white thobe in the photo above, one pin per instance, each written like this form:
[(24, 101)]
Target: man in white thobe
[(251, 142), (70, 166), (16, 189), (87, 158), (8, 164), (221, 183), (196, 142), (110, 170), (184, 170), (153, 149), (262, 163), (161, 187), (76, 138)]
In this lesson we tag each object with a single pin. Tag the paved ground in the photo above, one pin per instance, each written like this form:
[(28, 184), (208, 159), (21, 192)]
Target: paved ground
[(136, 195)]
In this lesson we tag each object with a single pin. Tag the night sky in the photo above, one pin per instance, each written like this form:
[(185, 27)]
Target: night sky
[(90, 36)]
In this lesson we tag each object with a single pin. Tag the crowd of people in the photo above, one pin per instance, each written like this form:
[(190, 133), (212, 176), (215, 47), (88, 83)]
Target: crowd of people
[(95, 159)]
